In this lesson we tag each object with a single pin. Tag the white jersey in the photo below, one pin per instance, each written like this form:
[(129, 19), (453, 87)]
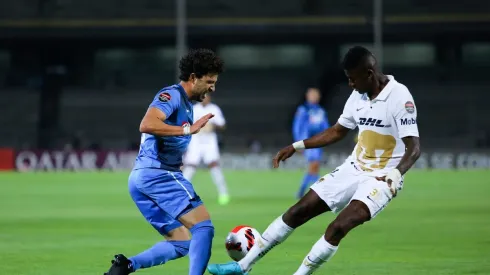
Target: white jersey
[(207, 135), (382, 122), (204, 145)]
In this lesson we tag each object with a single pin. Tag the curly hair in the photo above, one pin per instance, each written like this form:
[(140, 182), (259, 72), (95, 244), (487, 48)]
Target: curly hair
[(200, 62)]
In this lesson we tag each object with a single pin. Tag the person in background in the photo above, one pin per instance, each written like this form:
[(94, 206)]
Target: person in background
[(309, 120), (204, 146)]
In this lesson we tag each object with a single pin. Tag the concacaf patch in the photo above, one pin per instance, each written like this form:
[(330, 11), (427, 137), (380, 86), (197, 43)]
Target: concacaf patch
[(410, 107), (164, 97)]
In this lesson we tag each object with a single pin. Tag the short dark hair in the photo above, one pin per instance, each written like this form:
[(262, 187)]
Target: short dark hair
[(355, 57), (200, 62)]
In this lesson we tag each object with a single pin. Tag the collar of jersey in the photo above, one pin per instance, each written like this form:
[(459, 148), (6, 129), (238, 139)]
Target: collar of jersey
[(383, 95), (182, 91)]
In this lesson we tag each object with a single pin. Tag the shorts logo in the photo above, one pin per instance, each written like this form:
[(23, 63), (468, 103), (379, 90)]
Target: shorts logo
[(164, 97), (410, 107)]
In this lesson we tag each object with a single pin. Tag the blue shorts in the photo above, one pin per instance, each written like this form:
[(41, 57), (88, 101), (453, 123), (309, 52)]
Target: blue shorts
[(162, 197), (314, 154)]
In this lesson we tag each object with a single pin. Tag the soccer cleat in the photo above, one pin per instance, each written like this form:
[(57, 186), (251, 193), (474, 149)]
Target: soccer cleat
[(223, 199), (120, 266), (231, 268)]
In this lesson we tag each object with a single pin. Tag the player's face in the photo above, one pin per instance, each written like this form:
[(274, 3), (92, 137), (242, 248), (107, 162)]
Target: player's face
[(360, 79), (313, 96), (203, 86)]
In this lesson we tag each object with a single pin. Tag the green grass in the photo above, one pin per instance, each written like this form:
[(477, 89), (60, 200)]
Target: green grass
[(72, 223)]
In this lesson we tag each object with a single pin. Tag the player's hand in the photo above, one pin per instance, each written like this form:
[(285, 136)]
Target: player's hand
[(198, 125), (283, 155), (394, 181)]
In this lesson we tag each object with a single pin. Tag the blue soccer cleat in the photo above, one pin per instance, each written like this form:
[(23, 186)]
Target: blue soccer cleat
[(231, 268)]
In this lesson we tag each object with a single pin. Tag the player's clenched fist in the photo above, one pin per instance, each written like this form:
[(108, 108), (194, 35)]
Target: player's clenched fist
[(283, 155), (200, 123)]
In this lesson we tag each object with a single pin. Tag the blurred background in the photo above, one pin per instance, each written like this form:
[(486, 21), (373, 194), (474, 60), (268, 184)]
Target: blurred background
[(76, 77), (79, 74)]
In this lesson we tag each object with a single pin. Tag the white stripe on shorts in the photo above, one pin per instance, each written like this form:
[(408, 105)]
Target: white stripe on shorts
[(181, 184)]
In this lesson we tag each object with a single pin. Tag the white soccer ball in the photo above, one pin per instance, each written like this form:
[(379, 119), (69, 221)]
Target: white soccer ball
[(240, 240)]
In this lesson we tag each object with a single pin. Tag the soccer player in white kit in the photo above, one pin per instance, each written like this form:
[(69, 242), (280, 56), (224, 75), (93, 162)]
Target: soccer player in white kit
[(204, 147), (359, 189)]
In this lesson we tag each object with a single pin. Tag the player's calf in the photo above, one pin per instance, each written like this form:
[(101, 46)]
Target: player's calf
[(305, 209)]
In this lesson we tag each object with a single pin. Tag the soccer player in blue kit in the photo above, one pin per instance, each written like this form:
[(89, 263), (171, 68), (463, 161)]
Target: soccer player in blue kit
[(156, 184), (310, 119)]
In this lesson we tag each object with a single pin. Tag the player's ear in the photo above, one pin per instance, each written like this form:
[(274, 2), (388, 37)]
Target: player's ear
[(192, 78), (370, 74)]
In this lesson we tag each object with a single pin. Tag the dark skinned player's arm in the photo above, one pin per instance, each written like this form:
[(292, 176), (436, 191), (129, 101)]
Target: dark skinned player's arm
[(153, 123), (412, 153), (327, 137)]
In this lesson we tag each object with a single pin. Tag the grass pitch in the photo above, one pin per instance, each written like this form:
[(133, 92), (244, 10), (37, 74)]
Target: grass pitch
[(73, 223)]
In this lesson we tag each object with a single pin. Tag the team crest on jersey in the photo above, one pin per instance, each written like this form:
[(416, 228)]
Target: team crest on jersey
[(410, 107), (164, 97)]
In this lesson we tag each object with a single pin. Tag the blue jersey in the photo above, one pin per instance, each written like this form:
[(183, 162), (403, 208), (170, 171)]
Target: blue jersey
[(166, 152), (309, 120)]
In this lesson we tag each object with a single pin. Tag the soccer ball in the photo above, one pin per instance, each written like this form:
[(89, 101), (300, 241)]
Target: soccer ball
[(240, 240)]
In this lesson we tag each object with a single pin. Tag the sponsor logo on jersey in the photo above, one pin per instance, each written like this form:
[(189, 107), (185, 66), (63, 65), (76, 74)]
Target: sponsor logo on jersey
[(164, 97), (408, 121), (410, 107), (372, 122)]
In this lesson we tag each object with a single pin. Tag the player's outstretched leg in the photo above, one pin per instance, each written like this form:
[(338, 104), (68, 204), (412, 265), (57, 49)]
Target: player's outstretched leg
[(176, 246), (307, 208), (159, 254), (355, 214), (219, 181), (199, 223)]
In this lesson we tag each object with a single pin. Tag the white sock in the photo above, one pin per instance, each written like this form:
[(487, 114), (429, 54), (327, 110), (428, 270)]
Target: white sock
[(188, 172), (276, 233), (219, 180), (321, 252)]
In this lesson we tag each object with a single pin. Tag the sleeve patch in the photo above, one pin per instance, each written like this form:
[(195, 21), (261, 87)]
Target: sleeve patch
[(164, 97), (410, 107)]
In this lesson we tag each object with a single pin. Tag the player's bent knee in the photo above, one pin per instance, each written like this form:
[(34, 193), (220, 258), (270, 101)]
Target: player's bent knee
[(178, 234), (195, 216)]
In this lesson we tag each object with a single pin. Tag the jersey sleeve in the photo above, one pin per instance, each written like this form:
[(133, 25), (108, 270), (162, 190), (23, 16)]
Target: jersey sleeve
[(347, 119), (299, 124), (166, 101), (405, 114), (218, 119)]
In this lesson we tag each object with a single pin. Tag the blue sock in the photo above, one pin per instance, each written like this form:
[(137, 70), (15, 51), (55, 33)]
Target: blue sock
[(308, 179), (160, 253), (200, 249)]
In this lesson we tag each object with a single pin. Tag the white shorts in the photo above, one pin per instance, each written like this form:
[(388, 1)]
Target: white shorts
[(348, 182), (196, 153)]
